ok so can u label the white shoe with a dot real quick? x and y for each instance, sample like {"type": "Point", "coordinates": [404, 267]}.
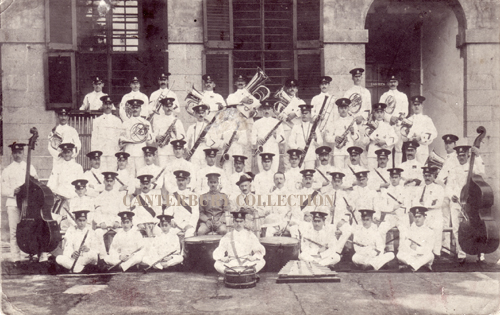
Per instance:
{"type": "Point", "coordinates": [498, 262]}
{"type": "Point", "coordinates": [481, 257]}
{"type": "Point", "coordinates": [43, 257]}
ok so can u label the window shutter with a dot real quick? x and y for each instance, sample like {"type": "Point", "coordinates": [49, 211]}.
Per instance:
{"type": "Point", "coordinates": [309, 21]}
{"type": "Point", "coordinates": [309, 71]}
{"type": "Point", "coordinates": [219, 64]}
{"type": "Point", "coordinates": [61, 87]}
{"type": "Point", "coordinates": [218, 23]}
{"type": "Point", "coordinates": [61, 21]}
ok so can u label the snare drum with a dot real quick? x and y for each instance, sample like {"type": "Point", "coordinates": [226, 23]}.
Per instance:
{"type": "Point", "coordinates": [240, 277]}
{"type": "Point", "coordinates": [199, 252]}
{"type": "Point", "coordinates": [279, 250]}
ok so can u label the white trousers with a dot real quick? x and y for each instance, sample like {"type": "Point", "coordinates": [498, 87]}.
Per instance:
{"type": "Point", "coordinates": [434, 221]}
{"type": "Point", "coordinates": [132, 261]}
{"type": "Point", "coordinates": [86, 258]}
{"type": "Point", "coordinates": [151, 259]}
{"type": "Point", "coordinates": [14, 216]}
{"type": "Point", "coordinates": [327, 261]}
{"type": "Point", "coordinates": [456, 216]}
{"type": "Point", "coordinates": [370, 258]}
{"type": "Point", "coordinates": [221, 267]}
{"type": "Point", "coordinates": [415, 260]}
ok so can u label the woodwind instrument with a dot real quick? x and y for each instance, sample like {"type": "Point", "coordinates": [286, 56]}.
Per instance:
{"type": "Point", "coordinates": [312, 132]}
{"type": "Point", "coordinates": [118, 264]}
{"type": "Point", "coordinates": [201, 136]}
{"type": "Point", "coordinates": [343, 138]}
{"type": "Point", "coordinates": [260, 148]}
{"type": "Point", "coordinates": [165, 139]}
{"type": "Point", "coordinates": [225, 155]}
{"type": "Point", "coordinates": [422, 196]}
{"type": "Point", "coordinates": [79, 251]}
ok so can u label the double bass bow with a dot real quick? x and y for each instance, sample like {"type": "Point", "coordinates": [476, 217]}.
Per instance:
{"type": "Point", "coordinates": [478, 233]}
{"type": "Point", "coordinates": [37, 232]}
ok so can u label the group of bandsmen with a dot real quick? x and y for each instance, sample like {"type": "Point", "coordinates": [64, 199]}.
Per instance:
{"type": "Point", "coordinates": [155, 182]}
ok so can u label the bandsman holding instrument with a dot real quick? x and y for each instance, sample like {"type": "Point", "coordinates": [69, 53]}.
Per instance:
{"type": "Point", "coordinates": [343, 132]}
{"type": "Point", "coordinates": [307, 202]}
{"type": "Point", "coordinates": [379, 178]}
{"type": "Point", "coordinates": [282, 215]}
{"type": "Point", "coordinates": [195, 142]}
{"type": "Point", "coordinates": [293, 176]}
{"type": "Point", "coordinates": [233, 139]}
{"type": "Point", "coordinates": [136, 134]}
{"type": "Point", "coordinates": [126, 249]}
{"type": "Point", "coordinates": [267, 135]}
{"type": "Point", "coordinates": [162, 93]}
{"type": "Point", "coordinates": [82, 245]}
{"type": "Point", "coordinates": [106, 130]}
{"type": "Point", "coordinates": [179, 163]}
{"type": "Point", "coordinates": [305, 136]}
{"type": "Point", "coordinates": [431, 195]}
{"type": "Point", "coordinates": [152, 169]}
{"type": "Point", "coordinates": [319, 243]}
{"type": "Point", "coordinates": [353, 166]}
{"type": "Point", "coordinates": [214, 208]}
{"type": "Point", "coordinates": [360, 97]}
{"type": "Point", "coordinates": [93, 100]}
{"type": "Point", "coordinates": [379, 134]}
{"type": "Point", "coordinates": [317, 101]}
{"type": "Point", "coordinates": [422, 129]}
{"type": "Point", "coordinates": [80, 201]}
{"type": "Point", "coordinates": [239, 247]}
{"type": "Point", "coordinates": [124, 177]}
{"type": "Point", "coordinates": [167, 128]}
{"type": "Point", "coordinates": [94, 175]}
{"type": "Point", "coordinates": [291, 109]}
{"type": "Point", "coordinates": [321, 177]}
{"type": "Point", "coordinates": [368, 244]}
{"type": "Point", "coordinates": [165, 249]}
{"type": "Point", "coordinates": [65, 171]}
{"type": "Point", "coordinates": [146, 206]}
{"type": "Point", "coordinates": [415, 248]}
{"type": "Point", "coordinates": [214, 101]}
{"type": "Point", "coordinates": [63, 133]}
{"type": "Point", "coordinates": [412, 174]}
{"type": "Point", "coordinates": [363, 196]}
{"type": "Point", "coordinates": [108, 204]}
{"type": "Point", "coordinates": [243, 97]}
{"type": "Point", "coordinates": [180, 205]}
{"type": "Point", "coordinates": [126, 104]}
{"type": "Point", "coordinates": [451, 160]}
{"type": "Point", "coordinates": [264, 179]}
{"type": "Point", "coordinates": [397, 108]}
{"type": "Point", "coordinates": [13, 177]}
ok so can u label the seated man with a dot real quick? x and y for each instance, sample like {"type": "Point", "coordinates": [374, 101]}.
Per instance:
{"type": "Point", "coordinates": [247, 200]}
{"type": "Point", "coordinates": [239, 247]}
{"type": "Point", "coordinates": [416, 248]}
{"type": "Point", "coordinates": [126, 248]}
{"type": "Point", "coordinates": [94, 175]}
{"type": "Point", "coordinates": [214, 207]}
{"type": "Point", "coordinates": [368, 243]}
{"type": "Point", "coordinates": [108, 204]}
{"type": "Point", "coordinates": [146, 205]}
{"type": "Point", "coordinates": [319, 243]}
{"type": "Point", "coordinates": [165, 249]}
{"type": "Point", "coordinates": [82, 245]}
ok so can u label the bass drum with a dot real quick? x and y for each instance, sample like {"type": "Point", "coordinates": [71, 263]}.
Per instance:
{"type": "Point", "coordinates": [199, 252]}
{"type": "Point", "coordinates": [279, 251]}
{"type": "Point", "coordinates": [240, 277]}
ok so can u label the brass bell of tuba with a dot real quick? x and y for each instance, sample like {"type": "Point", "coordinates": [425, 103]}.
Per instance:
{"type": "Point", "coordinates": [256, 86]}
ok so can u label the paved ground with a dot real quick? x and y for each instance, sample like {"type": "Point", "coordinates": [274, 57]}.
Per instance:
{"type": "Point", "coordinates": [192, 293]}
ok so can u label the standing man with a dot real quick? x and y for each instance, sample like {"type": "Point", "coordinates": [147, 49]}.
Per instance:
{"type": "Point", "coordinates": [214, 208]}
{"type": "Point", "coordinates": [94, 174]}
{"type": "Point", "coordinates": [108, 204]}
{"type": "Point", "coordinates": [321, 177]}
{"type": "Point", "coordinates": [242, 97]}
{"type": "Point", "coordinates": [239, 170]}
{"type": "Point", "coordinates": [422, 131]}
{"type": "Point", "coordinates": [152, 169]}
{"type": "Point", "coordinates": [213, 100]}
{"type": "Point", "coordinates": [125, 111]}
{"type": "Point", "coordinates": [353, 166]}
{"type": "Point", "coordinates": [64, 172]}
{"type": "Point", "coordinates": [178, 163]}
{"type": "Point", "coordinates": [292, 175]}
{"type": "Point", "coordinates": [264, 180]}
{"type": "Point", "coordinates": [412, 168]}
{"type": "Point", "coordinates": [123, 175]}
{"type": "Point", "coordinates": [167, 128]}
{"type": "Point", "coordinates": [194, 132]}
{"type": "Point", "coordinates": [451, 160]}
{"type": "Point", "coordinates": [379, 178]}
{"type": "Point", "coordinates": [317, 101]}
{"type": "Point", "coordinates": [146, 206]}
{"type": "Point", "coordinates": [233, 137]}
{"type": "Point", "coordinates": [13, 177]}
{"type": "Point", "coordinates": [93, 101]}
{"type": "Point", "coordinates": [164, 92]}
{"type": "Point", "coordinates": [360, 97]}
{"type": "Point", "coordinates": [397, 104]}
{"type": "Point", "coordinates": [63, 133]}
{"type": "Point", "coordinates": [106, 130]}
{"type": "Point", "coordinates": [383, 137]}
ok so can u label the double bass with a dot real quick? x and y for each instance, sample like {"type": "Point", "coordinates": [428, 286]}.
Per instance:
{"type": "Point", "coordinates": [478, 232]}
{"type": "Point", "coordinates": [37, 232]}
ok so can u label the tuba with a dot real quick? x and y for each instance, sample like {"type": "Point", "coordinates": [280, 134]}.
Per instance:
{"type": "Point", "coordinates": [256, 86]}
{"type": "Point", "coordinates": [435, 159]}
{"type": "Point", "coordinates": [193, 98]}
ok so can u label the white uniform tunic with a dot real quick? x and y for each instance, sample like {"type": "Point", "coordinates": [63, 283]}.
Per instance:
{"type": "Point", "coordinates": [432, 199]}
{"type": "Point", "coordinates": [95, 179]}
{"type": "Point", "coordinates": [423, 127]}
{"type": "Point", "coordinates": [401, 103]}
{"type": "Point", "coordinates": [383, 132]}
{"type": "Point", "coordinates": [92, 101]}
{"type": "Point", "coordinates": [147, 209]}
{"type": "Point", "coordinates": [260, 130]}
{"type": "Point", "coordinates": [145, 110]}
{"type": "Point", "coordinates": [163, 94]}
{"type": "Point", "coordinates": [180, 165]}
{"type": "Point", "coordinates": [417, 255]}
{"type": "Point", "coordinates": [182, 215]}
{"type": "Point", "coordinates": [371, 251]}
{"type": "Point", "coordinates": [106, 130]}
{"type": "Point", "coordinates": [263, 182]}
{"type": "Point", "coordinates": [108, 205]}
{"type": "Point", "coordinates": [63, 173]}
{"type": "Point", "coordinates": [366, 99]}
{"type": "Point", "coordinates": [162, 245]}
{"type": "Point", "coordinates": [310, 251]}
{"type": "Point", "coordinates": [411, 169]}
{"type": "Point", "coordinates": [238, 146]}
{"type": "Point", "coordinates": [192, 134]}
{"type": "Point", "coordinates": [211, 99]}
{"type": "Point", "coordinates": [68, 135]}
{"type": "Point", "coordinates": [160, 127]}
{"type": "Point", "coordinates": [293, 178]}
{"type": "Point", "coordinates": [337, 129]}
{"type": "Point", "coordinates": [126, 243]}
{"type": "Point", "coordinates": [298, 138]}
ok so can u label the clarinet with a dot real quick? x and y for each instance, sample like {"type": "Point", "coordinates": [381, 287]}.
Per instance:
{"type": "Point", "coordinates": [268, 136]}
{"type": "Point", "coordinates": [225, 156]}
{"type": "Point", "coordinates": [343, 137]}
{"type": "Point", "coordinates": [311, 134]}
{"type": "Point", "coordinates": [168, 135]}
{"type": "Point", "coordinates": [198, 141]}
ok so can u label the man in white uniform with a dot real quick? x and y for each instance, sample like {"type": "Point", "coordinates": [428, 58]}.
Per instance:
{"type": "Point", "coordinates": [300, 135]}
{"type": "Point", "coordinates": [360, 97]}
{"type": "Point", "coordinates": [162, 93]}
{"type": "Point", "coordinates": [161, 125]}
{"type": "Point", "coordinates": [94, 174]}
{"type": "Point", "coordinates": [135, 94]}
{"type": "Point", "coordinates": [63, 133]}
{"type": "Point", "coordinates": [106, 130]}
{"type": "Point", "coordinates": [93, 101]}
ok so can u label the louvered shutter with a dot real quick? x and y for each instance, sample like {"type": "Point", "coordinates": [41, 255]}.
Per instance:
{"type": "Point", "coordinates": [218, 64]}
{"type": "Point", "coordinates": [309, 71]}
{"type": "Point", "coordinates": [308, 25]}
{"type": "Point", "coordinates": [218, 24]}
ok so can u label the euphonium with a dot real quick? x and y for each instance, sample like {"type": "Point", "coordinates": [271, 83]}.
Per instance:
{"type": "Point", "coordinates": [435, 159]}
{"type": "Point", "coordinates": [284, 100]}
{"type": "Point", "coordinates": [193, 98]}
{"type": "Point", "coordinates": [406, 124]}
{"type": "Point", "coordinates": [256, 88]}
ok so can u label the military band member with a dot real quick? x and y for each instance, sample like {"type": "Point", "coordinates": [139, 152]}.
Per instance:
{"type": "Point", "coordinates": [415, 249]}
{"type": "Point", "coordinates": [108, 204]}
{"type": "Point", "coordinates": [423, 130]}
{"type": "Point", "coordinates": [13, 177]}
{"type": "Point", "coordinates": [353, 166]}
{"type": "Point", "coordinates": [161, 125]}
{"type": "Point", "coordinates": [242, 97]}
{"type": "Point", "coordinates": [293, 176]}
{"type": "Point", "coordinates": [239, 247]}
{"type": "Point", "coordinates": [135, 94]}
{"type": "Point", "coordinates": [210, 167]}
{"type": "Point", "coordinates": [213, 100]}
{"type": "Point", "coordinates": [82, 245]}
{"type": "Point", "coordinates": [357, 91]}
{"type": "Point", "coordinates": [451, 160]}
{"type": "Point", "coordinates": [319, 243]}
{"type": "Point", "coordinates": [247, 201]}
{"type": "Point", "coordinates": [368, 244]}
{"type": "Point", "coordinates": [383, 137]}
{"type": "Point", "coordinates": [214, 208]}
{"type": "Point", "coordinates": [152, 169]}
{"type": "Point", "coordinates": [162, 93]}
{"type": "Point", "coordinates": [292, 111]}
{"type": "Point", "coordinates": [64, 171]}
{"type": "Point", "coordinates": [263, 181]}
{"type": "Point", "coordinates": [321, 177]}
{"type": "Point", "coordinates": [193, 135]}
{"type": "Point", "coordinates": [63, 133]}
{"type": "Point", "coordinates": [261, 129]}
{"type": "Point", "coordinates": [317, 101]}
{"type": "Point", "coordinates": [379, 178]}
{"type": "Point", "coordinates": [164, 250]}
{"type": "Point", "coordinates": [335, 132]}
{"type": "Point", "coordinates": [127, 246]}
{"type": "Point", "coordinates": [363, 196]}
{"type": "Point", "coordinates": [124, 177]}
{"type": "Point", "coordinates": [412, 174]}
{"type": "Point", "coordinates": [238, 145]}
{"type": "Point", "coordinates": [106, 130]}
{"type": "Point", "coordinates": [136, 134]}
{"type": "Point", "coordinates": [431, 196]}
{"type": "Point", "coordinates": [308, 199]}
{"type": "Point", "coordinates": [239, 170]}
{"type": "Point", "coordinates": [282, 215]}
{"type": "Point", "coordinates": [456, 181]}
{"type": "Point", "coordinates": [179, 163]}
{"type": "Point", "coordinates": [300, 134]}
{"type": "Point", "coordinates": [185, 212]}
{"type": "Point", "coordinates": [93, 100]}
{"type": "Point", "coordinates": [146, 206]}
{"type": "Point", "coordinates": [397, 103]}
{"type": "Point", "coordinates": [94, 175]}
{"type": "Point", "coordinates": [80, 201]}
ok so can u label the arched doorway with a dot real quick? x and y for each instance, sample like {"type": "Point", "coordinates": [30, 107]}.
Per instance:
{"type": "Point", "coordinates": [417, 40]}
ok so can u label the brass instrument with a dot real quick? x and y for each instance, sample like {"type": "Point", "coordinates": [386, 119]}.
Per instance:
{"type": "Point", "coordinates": [157, 104]}
{"type": "Point", "coordinates": [193, 98]}
{"type": "Point", "coordinates": [55, 139]}
{"type": "Point", "coordinates": [138, 134]}
{"type": "Point", "coordinates": [343, 141]}
{"type": "Point", "coordinates": [225, 155]}
{"type": "Point", "coordinates": [165, 140]}
{"type": "Point", "coordinates": [260, 148]}
{"type": "Point", "coordinates": [406, 125]}
{"type": "Point", "coordinates": [285, 100]}
{"type": "Point", "coordinates": [256, 88]}
{"type": "Point", "coordinates": [356, 102]}
{"type": "Point", "coordinates": [435, 159]}
{"type": "Point", "coordinates": [391, 104]}
{"type": "Point", "coordinates": [327, 115]}
{"type": "Point", "coordinates": [370, 126]}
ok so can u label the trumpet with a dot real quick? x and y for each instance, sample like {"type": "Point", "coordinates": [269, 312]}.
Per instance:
{"type": "Point", "coordinates": [165, 139]}
{"type": "Point", "coordinates": [193, 98]}
{"type": "Point", "coordinates": [343, 138]}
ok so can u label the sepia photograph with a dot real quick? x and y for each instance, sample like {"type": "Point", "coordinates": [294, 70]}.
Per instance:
{"type": "Point", "coordinates": [250, 157]}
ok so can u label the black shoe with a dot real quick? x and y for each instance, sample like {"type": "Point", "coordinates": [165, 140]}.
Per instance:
{"type": "Point", "coordinates": [461, 261]}
{"type": "Point", "coordinates": [257, 278]}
